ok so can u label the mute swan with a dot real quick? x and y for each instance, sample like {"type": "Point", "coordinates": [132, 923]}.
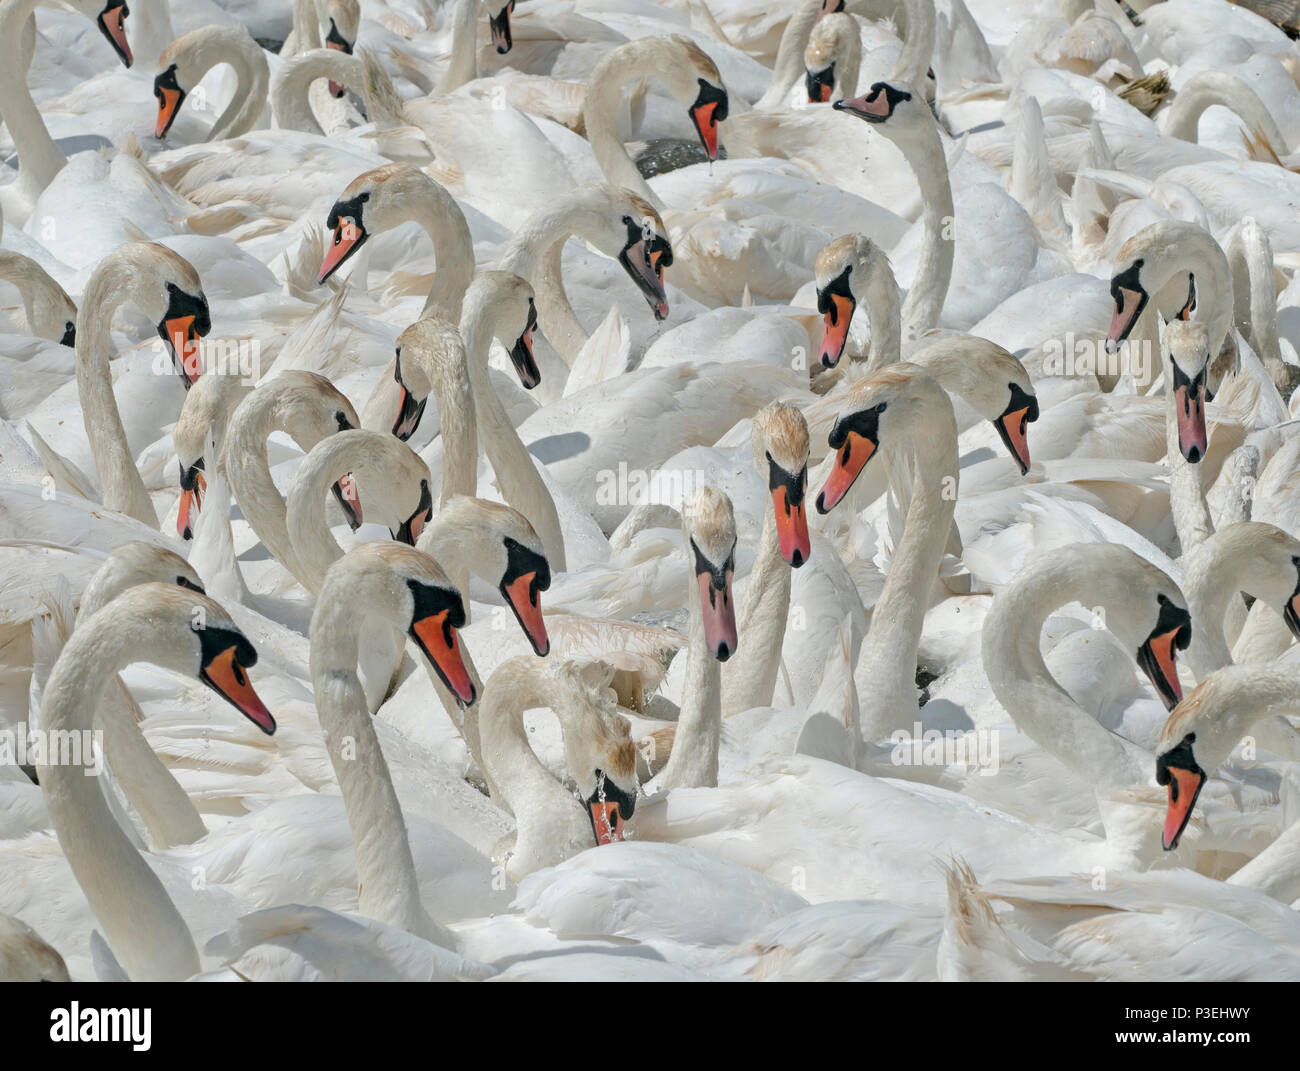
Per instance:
{"type": "Point", "coordinates": [309, 16]}
{"type": "Point", "coordinates": [187, 59]}
{"type": "Point", "coordinates": [496, 543]}
{"type": "Point", "coordinates": [779, 435]}
{"type": "Point", "coordinates": [906, 121]}
{"type": "Point", "coordinates": [50, 312]}
{"type": "Point", "coordinates": [406, 589]}
{"type": "Point", "coordinates": [185, 631]}
{"type": "Point", "coordinates": [709, 526]}
{"type": "Point", "coordinates": [1184, 269]}
{"type": "Point", "coordinates": [692, 79]}
{"type": "Point", "coordinates": [164, 286]}
{"type": "Point", "coordinates": [40, 158]}
{"type": "Point", "coordinates": [205, 417]}
{"type": "Point", "coordinates": [619, 224]}
{"type": "Point", "coordinates": [901, 412]}
{"type": "Point", "coordinates": [832, 59]}
{"type": "Point", "coordinates": [553, 824]}
{"type": "Point", "coordinates": [310, 409]}
{"type": "Point", "coordinates": [501, 304]}
{"type": "Point", "coordinates": [1204, 728]}
{"type": "Point", "coordinates": [168, 816]}
{"type": "Point", "coordinates": [291, 88]}
{"type": "Point", "coordinates": [392, 195]}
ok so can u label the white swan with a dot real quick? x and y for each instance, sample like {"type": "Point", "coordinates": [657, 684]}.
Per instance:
{"type": "Point", "coordinates": [40, 158]}
{"type": "Point", "coordinates": [187, 59]}
{"type": "Point", "coordinates": [182, 630]}
{"type": "Point", "coordinates": [164, 286]}
{"type": "Point", "coordinates": [709, 526]}
{"type": "Point", "coordinates": [50, 312]}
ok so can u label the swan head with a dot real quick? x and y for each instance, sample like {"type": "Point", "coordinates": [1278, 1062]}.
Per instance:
{"type": "Point", "coordinates": [204, 416]}
{"type": "Point", "coordinates": [709, 524]}
{"type": "Point", "coordinates": [628, 228]}
{"type": "Point", "coordinates": [990, 379]}
{"type": "Point", "coordinates": [110, 17]}
{"type": "Point", "coordinates": [897, 110]}
{"type": "Point", "coordinates": [187, 631]}
{"type": "Point", "coordinates": [844, 269]}
{"type": "Point", "coordinates": [598, 746]}
{"type": "Point", "coordinates": [1186, 346]}
{"type": "Point", "coordinates": [135, 563]}
{"type": "Point", "coordinates": [500, 545]}
{"type": "Point", "coordinates": [411, 590]}
{"type": "Point", "coordinates": [693, 78]}
{"type": "Point", "coordinates": [1259, 558]}
{"type": "Point", "coordinates": [1153, 263]}
{"type": "Point", "coordinates": [363, 466]}
{"type": "Point", "coordinates": [367, 205]}
{"type": "Point", "coordinates": [428, 343]}
{"type": "Point", "coordinates": [510, 308]}
{"type": "Point", "coordinates": [883, 411]}
{"type": "Point", "coordinates": [780, 439]}
{"type": "Point", "coordinates": [499, 26]}
{"type": "Point", "coordinates": [167, 289]}
{"type": "Point", "coordinates": [834, 45]}
{"type": "Point", "coordinates": [344, 18]}
{"type": "Point", "coordinates": [1202, 730]}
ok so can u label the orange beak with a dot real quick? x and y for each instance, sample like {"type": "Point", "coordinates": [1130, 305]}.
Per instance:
{"type": "Point", "coordinates": [835, 333]}
{"type": "Point", "coordinates": [347, 237]}
{"type": "Point", "coordinates": [336, 88]}
{"type": "Point", "coordinates": [791, 528]}
{"type": "Point", "coordinates": [169, 103]}
{"type": "Point", "coordinates": [228, 678]}
{"type": "Point", "coordinates": [849, 462]}
{"type": "Point", "coordinates": [1184, 788]}
{"type": "Point", "coordinates": [606, 821]}
{"type": "Point", "coordinates": [441, 645]}
{"type": "Point", "coordinates": [1158, 658]}
{"type": "Point", "coordinates": [1014, 427]}
{"type": "Point", "coordinates": [707, 125]}
{"type": "Point", "coordinates": [184, 340]}
{"type": "Point", "coordinates": [525, 601]}
{"type": "Point", "coordinates": [191, 503]}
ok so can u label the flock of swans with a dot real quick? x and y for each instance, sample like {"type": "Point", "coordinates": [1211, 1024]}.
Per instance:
{"type": "Point", "coordinates": [611, 489]}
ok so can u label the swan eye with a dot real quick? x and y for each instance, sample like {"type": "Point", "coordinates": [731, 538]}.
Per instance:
{"type": "Point", "coordinates": [881, 407]}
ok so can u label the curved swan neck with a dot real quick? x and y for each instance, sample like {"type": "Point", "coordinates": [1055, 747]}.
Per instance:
{"type": "Point", "coordinates": [749, 677]}
{"type": "Point", "coordinates": [464, 59]}
{"type": "Point", "coordinates": [1250, 261]}
{"type": "Point", "coordinates": [430, 205]}
{"type": "Point", "coordinates": [142, 925]}
{"type": "Point", "coordinates": [1040, 707]}
{"type": "Point", "coordinates": [693, 762]}
{"type": "Point", "coordinates": [388, 889]}
{"type": "Point", "coordinates": [886, 672]}
{"type": "Point", "coordinates": [1210, 88]}
{"type": "Point", "coordinates": [45, 303]}
{"type": "Point", "coordinates": [203, 49]}
{"type": "Point", "coordinates": [929, 288]}
{"type": "Point", "coordinates": [913, 64]}
{"type": "Point", "coordinates": [788, 68]}
{"type": "Point", "coordinates": [536, 254]}
{"type": "Point", "coordinates": [113, 283]}
{"type": "Point", "coordinates": [519, 779]}
{"type": "Point", "coordinates": [518, 480]}
{"type": "Point", "coordinates": [290, 97]}
{"type": "Point", "coordinates": [628, 63]}
{"type": "Point", "coordinates": [40, 159]}
{"type": "Point", "coordinates": [884, 311]}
